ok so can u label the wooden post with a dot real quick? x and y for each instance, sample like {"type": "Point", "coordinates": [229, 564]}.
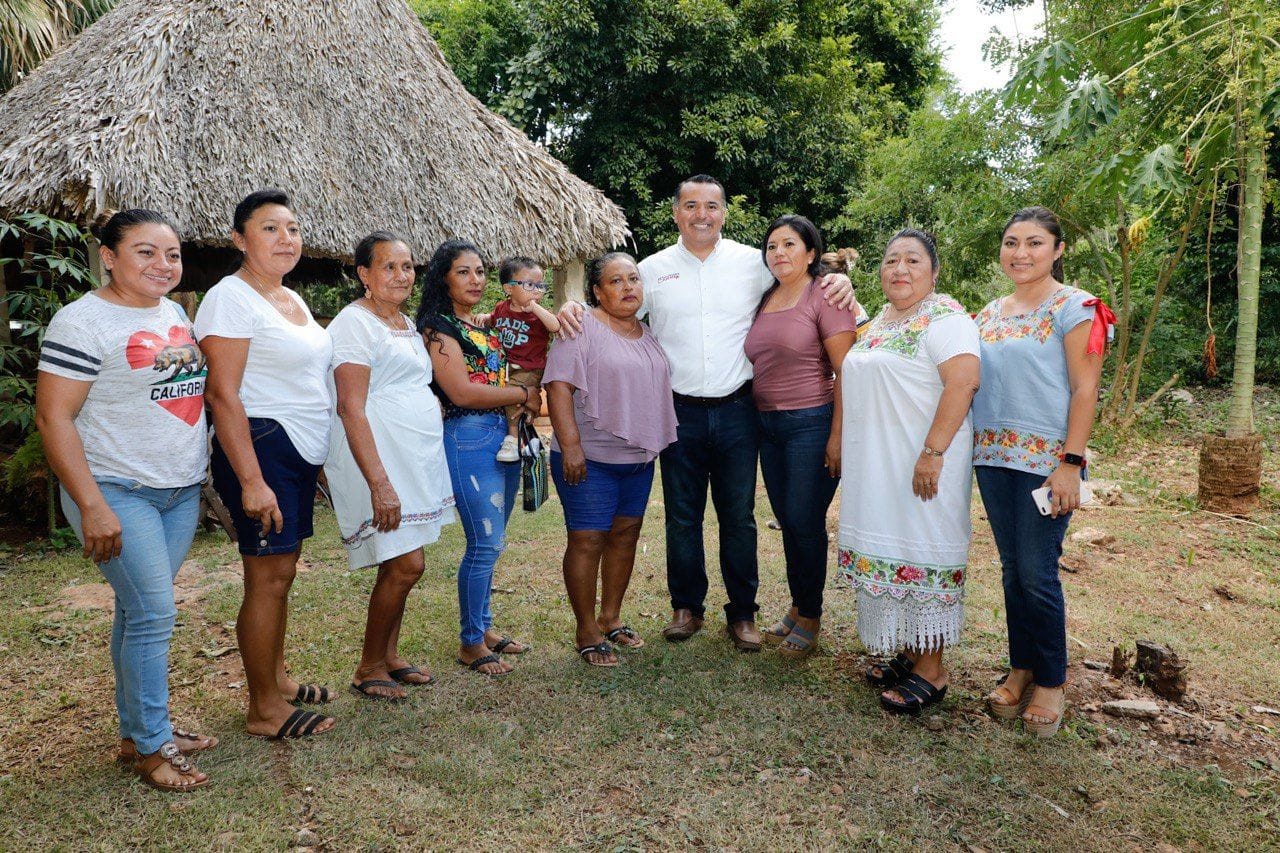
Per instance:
{"type": "Point", "coordinates": [91, 245]}
{"type": "Point", "coordinates": [569, 282]}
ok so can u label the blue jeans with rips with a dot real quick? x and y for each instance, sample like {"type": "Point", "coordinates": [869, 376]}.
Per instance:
{"type": "Point", "coordinates": [1030, 545]}
{"type": "Point", "coordinates": [485, 492]}
{"type": "Point", "coordinates": [157, 526]}
{"type": "Point", "coordinates": [716, 446]}
{"type": "Point", "coordinates": [793, 446]}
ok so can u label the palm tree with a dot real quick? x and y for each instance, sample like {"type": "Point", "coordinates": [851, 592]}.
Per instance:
{"type": "Point", "coordinates": [30, 30]}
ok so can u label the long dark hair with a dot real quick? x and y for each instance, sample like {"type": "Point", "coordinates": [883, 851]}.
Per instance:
{"type": "Point", "coordinates": [435, 290]}
{"type": "Point", "coordinates": [1046, 219]}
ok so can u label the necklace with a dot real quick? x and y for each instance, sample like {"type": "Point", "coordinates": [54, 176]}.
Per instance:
{"type": "Point", "coordinates": [283, 303]}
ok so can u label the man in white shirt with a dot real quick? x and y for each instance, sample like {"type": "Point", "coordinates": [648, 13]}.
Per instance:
{"type": "Point", "coordinates": [700, 298]}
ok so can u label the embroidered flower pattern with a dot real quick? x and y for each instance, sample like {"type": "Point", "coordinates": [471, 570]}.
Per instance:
{"type": "Point", "coordinates": [486, 367]}
{"type": "Point", "coordinates": [365, 530]}
{"type": "Point", "coordinates": [1002, 447]}
{"type": "Point", "coordinates": [1037, 324]}
{"type": "Point", "coordinates": [879, 576]}
{"type": "Point", "coordinates": [903, 336]}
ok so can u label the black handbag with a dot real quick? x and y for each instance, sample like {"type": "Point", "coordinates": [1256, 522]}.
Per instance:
{"type": "Point", "coordinates": [535, 470]}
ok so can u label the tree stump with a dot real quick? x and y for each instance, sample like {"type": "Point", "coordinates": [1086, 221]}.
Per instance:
{"type": "Point", "coordinates": [1230, 473]}
{"type": "Point", "coordinates": [1164, 672]}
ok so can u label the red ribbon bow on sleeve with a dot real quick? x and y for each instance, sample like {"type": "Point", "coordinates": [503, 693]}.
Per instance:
{"type": "Point", "coordinates": [1100, 332]}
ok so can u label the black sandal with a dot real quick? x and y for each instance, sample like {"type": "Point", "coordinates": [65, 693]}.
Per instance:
{"type": "Point", "coordinates": [300, 724]}
{"type": "Point", "coordinates": [891, 672]}
{"type": "Point", "coordinates": [314, 694]}
{"type": "Point", "coordinates": [601, 648]}
{"type": "Point", "coordinates": [401, 673]}
{"type": "Point", "coordinates": [475, 665]}
{"type": "Point", "coordinates": [362, 689]}
{"type": "Point", "coordinates": [500, 646]}
{"type": "Point", "coordinates": [917, 694]}
{"type": "Point", "coordinates": [628, 632]}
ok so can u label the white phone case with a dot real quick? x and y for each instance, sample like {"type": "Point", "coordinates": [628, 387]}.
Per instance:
{"type": "Point", "coordinates": [1042, 497]}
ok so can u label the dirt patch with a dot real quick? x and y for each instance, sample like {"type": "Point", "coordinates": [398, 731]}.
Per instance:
{"type": "Point", "coordinates": [191, 585]}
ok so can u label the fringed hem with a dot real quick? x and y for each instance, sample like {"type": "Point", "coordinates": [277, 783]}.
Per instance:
{"type": "Point", "coordinates": [887, 625]}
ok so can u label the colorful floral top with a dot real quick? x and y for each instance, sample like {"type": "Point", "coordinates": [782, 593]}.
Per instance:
{"type": "Point", "coordinates": [1020, 412]}
{"type": "Point", "coordinates": [482, 353]}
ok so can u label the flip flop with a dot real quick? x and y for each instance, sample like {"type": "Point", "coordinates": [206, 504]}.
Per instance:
{"type": "Point", "coordinates": [500, 646]}
{"type": "Point", "coordinates": [362, 689]}
{"type": "Point", "coordinates": [146, 766]}
{"type": "Point", "coordinates": [314, 694]}
{"type": "Point", "coordinates": [128, 753]}
{"type": "Point", "coordinates": [399, 675]}
{"type": "Point", "coordinates": [628, 632]}
{"type": "Point", "coordinates": [600, 648]}
{"type": "Point", "coordinates": [475, 665]}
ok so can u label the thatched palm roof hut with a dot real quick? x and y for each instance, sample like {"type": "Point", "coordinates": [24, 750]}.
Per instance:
{"type": "Point", "coordinates": [186, 105]}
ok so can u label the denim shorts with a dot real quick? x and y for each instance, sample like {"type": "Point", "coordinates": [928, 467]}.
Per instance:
{"type": "Point", "coordinates": [608, 490]}
{"type": "Point", "coordinates": [292, 478]}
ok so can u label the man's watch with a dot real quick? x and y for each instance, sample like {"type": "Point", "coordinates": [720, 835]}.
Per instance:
{"type": "Point", "coordinates": [1073, 459]}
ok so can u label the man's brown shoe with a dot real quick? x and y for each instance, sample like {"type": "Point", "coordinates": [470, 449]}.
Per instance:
{"type": "Point", "coordinates": [744, 635]}
{"type": "Point", "coordinates": [682, 626]}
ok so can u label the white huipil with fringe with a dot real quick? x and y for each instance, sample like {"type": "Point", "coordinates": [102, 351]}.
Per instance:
{"type": "Point", "coordinates": [906, 558]}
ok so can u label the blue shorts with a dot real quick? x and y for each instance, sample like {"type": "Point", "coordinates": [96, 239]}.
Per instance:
{"type": "Point", "coordinates": [609, 490]}
{"type": "Point", "coordinates": [291, 477]}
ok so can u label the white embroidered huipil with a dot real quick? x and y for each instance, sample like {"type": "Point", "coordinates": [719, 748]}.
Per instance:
{"type": "Point", "coordinates": [905, 557]}
{"type": "Point", "coordinates": [701, 311]}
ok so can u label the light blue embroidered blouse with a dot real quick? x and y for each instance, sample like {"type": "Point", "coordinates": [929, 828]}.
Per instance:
{"type": "Point", "coordinates": [1020, 412]}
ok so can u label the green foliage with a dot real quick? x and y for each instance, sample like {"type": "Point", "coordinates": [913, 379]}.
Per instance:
{"type": "Point", "coordinates": [30, 30]}
{"type": "Point", "coordinates": [780, 101]}
{"type": "Point", "coordinates": [49, 255]}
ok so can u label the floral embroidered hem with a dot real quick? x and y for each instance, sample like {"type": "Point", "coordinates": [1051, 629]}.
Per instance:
{"type": "Point", "coordinates": [905, 604]}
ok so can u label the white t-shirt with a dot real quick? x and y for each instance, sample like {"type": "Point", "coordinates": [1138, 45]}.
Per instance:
{"type": "Point", "coordinates": [144, 417]}
{"type": "Point", "coordinates": [701, 311]}
{"type": "Point", "coordinates": [285, 373]}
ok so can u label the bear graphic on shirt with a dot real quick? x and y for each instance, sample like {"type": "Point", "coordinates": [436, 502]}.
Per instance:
{"type": "Point", "coordinates": [180, 388]}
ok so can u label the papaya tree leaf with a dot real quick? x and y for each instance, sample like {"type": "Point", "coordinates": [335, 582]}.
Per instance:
{"type": "Point", "coordinates": [1160, 171]}
{"type": "Point", "coordinates": [1271, 105]}
{"type": "Point", "coordinates": [1043, 71]}
{"type": "Point", "coordinates": [1083, 111]}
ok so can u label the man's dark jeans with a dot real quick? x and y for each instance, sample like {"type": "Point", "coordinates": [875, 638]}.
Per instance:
{"type": "Point", "coordinates": [716, 446]}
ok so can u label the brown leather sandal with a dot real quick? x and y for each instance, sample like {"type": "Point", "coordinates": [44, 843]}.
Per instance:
{"type": "Point", "coordinates": [128, 752]}
{"type": "Point", "coordinates": [146, 766]}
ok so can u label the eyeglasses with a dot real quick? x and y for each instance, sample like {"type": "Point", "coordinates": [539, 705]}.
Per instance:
{"type": "Point", "coordinates": [536, 286]}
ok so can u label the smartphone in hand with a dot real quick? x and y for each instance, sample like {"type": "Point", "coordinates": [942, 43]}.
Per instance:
{"type": "Point", "coordinates": [1044, 498]}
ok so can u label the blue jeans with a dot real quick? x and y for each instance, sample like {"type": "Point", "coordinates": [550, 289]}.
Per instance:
{"type": "Point", "coordinates": [793, 445]}
{"type": "Point", "coordinates": [485, 492]}
{"type": "Point", "coordinates": [716, 446]}
{"type": "Point", "coordinates": [157, 526]}
{"type": "Point", "coordinates": [609, 490]}
{"type": "Point", "coordinates": [1030, 545]}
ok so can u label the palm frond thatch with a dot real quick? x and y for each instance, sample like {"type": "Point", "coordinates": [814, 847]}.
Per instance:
{"type": "Point", "coordinates": [186, 105]}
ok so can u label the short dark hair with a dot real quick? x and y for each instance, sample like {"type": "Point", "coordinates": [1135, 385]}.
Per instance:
{"type": "Point", "coordinates": [124, 221]}
{"type": "Point", "coordinates": [595, 272]}
{"type": "Point", "coordinates": [508, 267]}
{"type": "Point", "coordinates": [255, 200]}
{"type": "Point", "coordinates": [809, 235]}
{"type": "Point", "coordinates": [364, 249]}
{"type": "Point", "coordinates": [924, 238]}
{"type": "Point", "coordinates": [1046, 219]}
{"type": "Point", "coordinates": [697, 179]}
{"type": "Point", "coordinates": [435, 290]}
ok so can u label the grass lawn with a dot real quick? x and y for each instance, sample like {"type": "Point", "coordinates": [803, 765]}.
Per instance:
{"type": "Point", "coordinates": [683, 746]}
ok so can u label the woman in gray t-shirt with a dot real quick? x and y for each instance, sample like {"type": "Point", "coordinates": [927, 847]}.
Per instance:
{"type": "Point", "coordinates": [117, 364]}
